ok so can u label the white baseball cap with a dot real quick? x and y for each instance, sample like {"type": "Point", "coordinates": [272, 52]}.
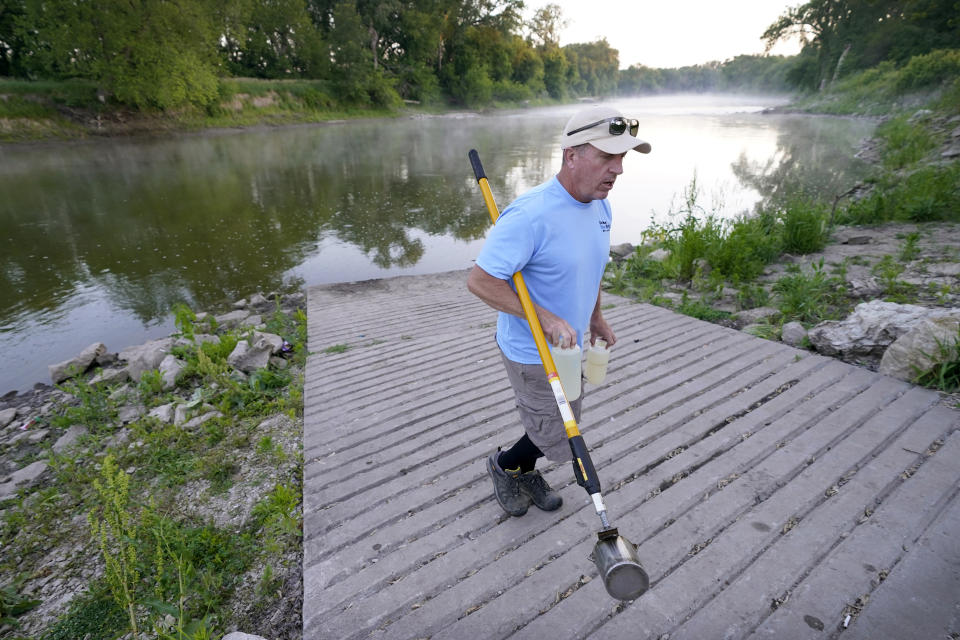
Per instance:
{"type": "Point", "coordinates": [605, 128]}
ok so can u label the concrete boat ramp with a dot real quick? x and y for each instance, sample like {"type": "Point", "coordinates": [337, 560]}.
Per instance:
{"type": "Point", "coordinates": [773, 493]}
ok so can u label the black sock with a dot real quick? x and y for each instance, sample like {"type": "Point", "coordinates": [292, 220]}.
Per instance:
{"type": "Point", "coordinates": [523, 454]}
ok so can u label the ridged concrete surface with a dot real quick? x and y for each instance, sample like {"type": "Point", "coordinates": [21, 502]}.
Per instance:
{"type": "Point", "coordinates": [772, 492]}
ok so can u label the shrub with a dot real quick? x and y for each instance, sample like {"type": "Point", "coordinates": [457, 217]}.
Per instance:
{"type": "Point", "coordinates": [751, 243]}
{"type": "Point", "coordinates": [929, 69]}
{"type": "Point", "coordinates": [807, 297]}
{"type": "Point", "coordinates": [945, 374]}
{"type": "Point", "coordinates": [906, 142]}
{"type": "Point", "coordinates": [927, 194]}
{"type": "Point", "coordinates": [689, 242]}
{"type": "Point", "coordinates": [804, 226]}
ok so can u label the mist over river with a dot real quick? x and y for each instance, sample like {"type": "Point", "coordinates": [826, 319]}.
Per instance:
{"type": "Point", "coordinates": [98, 240]}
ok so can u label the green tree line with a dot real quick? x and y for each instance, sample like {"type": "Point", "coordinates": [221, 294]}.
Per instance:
{"type": "Point", "coordinates": [841, 37]}
{"type": "Point", "coordinates": [164, 54]}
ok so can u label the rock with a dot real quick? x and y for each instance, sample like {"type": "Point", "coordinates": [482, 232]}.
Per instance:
{"type": "Point", "coordinates": [948, 269]}
{"type": "Point", "coordinates": [951, 152]}
{"type": "Point", "coordinates": [867, 287]}
{"type": "Point", "coordinates": [198, 339]}
{"type": "Point", "coordinates": [231, 320]}
{"type": "Point", "coordinates": [146, 357]}
{"type": "Point", "coordinates": [163, 413]}
{"type": "Point", "coordinates": [258, 300]}
{"type": "Point", "coordinates": [793, 334]}
{"type": "Point", "coordinates": [658, 255]}
{"type": "Point", "coordinates": [932, 341]}
{"type": "Point", "coordinates": [920, 115]}
{"type": "Point", "coordinates": [252, 321]}
{"type": "Point", "coordinates": [170, 368]}
{"type": "Point", "coordinates": [239, 635]}
{"type": "Point", "coordinates": [106, 359]}
{"type": "Point", "coordinates": [248, 357]}
{"type": "Point", "coordinates": [240, 304]}
{"type": "Point", "coordinates": [31, 436]}
{"type": "Point", "coordinates": [70, 438]}
{"type": "Point", "coordinates": [870, 329]}
{"type": "Point", "coordinates": [702, 266]}
{"type": "Point", "coordinates": [295, 300]}
{"type": "Point", "coordinates": [111, 376]}
{"type": "Point", "coordinates": [121, 394]}
{"type": "Point", "coordinates": [275, 341]}
{"type": "Point", "coordinates": [7, 416]}
{"type": "Point", "coordinates": [193, 423]}
{"type": "Point", "coordinates": [185, 411]}
{"type": "Point", "coordinates": [76, 365]}
{"type": "Point", "coordinates": [278, 363]}
{"type": "Point", "coordinates": [756, 315]}
{"type": "Point", "coordinates": [622, 250]}
{"type": "Point", "coordinates": [27, 475]}
{"type": "Point", "coordinates": [129, 413]}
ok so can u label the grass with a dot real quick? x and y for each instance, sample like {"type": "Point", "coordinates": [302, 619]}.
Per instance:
{"type": "Point", "coordinates": [809, 297]}
{"type": "Point", "coordinates": [944, 375]}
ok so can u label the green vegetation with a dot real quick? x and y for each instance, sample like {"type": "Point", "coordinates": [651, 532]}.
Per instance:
{"type": "Point", "coordinates": [66, 68]}
{"type": "Point", "coordinates": [945, 374]}
{"type": "Point", "coordinates": [146, 490]}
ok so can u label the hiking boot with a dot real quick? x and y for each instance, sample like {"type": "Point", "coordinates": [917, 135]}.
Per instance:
{"type": "Point", "coordinates": [533, 485]}
{"type": "Point", "coordinates": [506, 486]}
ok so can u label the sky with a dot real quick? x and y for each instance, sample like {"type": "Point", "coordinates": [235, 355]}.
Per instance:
{"type": "Point", "coordinates": [672, 33]}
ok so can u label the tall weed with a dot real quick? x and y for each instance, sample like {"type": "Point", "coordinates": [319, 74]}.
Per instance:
{"type": "Point", "coordinates": [804, 225]}
{"type": "Point", "coordinates": [808, 298]}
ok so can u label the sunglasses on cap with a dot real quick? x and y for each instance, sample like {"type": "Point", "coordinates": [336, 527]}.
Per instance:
{"type": "Point", "coordinates": [618, 126]}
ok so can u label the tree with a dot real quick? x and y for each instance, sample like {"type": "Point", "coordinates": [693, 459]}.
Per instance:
{"type": "Point", "coordinates": [10, 41]}
{"type": "Point", "coordinates": [152, 53]}
{"type": "Point", "coordinates": [546, 24]}
{"type": "Point", "coordinates": [597, 66]}
{"type": "Point", "coordinates": [353, 75]}
{"type": "Point", "coordinates": [275, 39]}
{"type": "Point", "coordinates": [818, 24]}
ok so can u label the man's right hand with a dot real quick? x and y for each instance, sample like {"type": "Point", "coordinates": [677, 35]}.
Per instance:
{"type": "Point", "coordinates": [500, 295]}
{"type": "Point", "coordinates": [556, 330]}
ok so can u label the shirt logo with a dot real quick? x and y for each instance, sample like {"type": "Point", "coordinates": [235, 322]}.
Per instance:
{"type": "Point", "coordinates": [604, 226]}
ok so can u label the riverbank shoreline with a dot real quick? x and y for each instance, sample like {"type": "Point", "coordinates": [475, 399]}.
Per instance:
{"type": "Point", "coordinates": [232, 427]}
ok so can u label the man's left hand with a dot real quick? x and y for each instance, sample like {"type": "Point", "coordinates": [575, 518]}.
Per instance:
{"type": "Point", "coordinates": [600, 329]}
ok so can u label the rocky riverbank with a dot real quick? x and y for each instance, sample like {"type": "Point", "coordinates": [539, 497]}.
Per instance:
{"type": "Point", "coordinates": [903, 281]}
{"type": "Point", "coordinates": [207, 428]}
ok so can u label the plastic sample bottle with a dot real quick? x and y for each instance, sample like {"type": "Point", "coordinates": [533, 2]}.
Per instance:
{"type": "Point", "coordinates": [597, 358]}
{"type": "Point", "coordinates": [568, 367]}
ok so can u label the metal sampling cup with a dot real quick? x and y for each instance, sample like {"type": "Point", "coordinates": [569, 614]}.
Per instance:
{"type": "Point", "coordinates": [619, 565]}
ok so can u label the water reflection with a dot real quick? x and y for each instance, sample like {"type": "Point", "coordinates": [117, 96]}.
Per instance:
{"type": "Point", "coordinates": [814, 157]}
{"type": "Point", "coordinates": [100, 240]}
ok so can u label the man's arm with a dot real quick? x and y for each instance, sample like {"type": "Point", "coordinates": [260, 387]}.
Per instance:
{"type": "Point", "coordinates": [500, 295]}
{"type": "Point", "coordinates": [599, 327]}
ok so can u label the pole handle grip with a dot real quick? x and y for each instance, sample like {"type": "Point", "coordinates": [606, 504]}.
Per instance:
{"type": "Point", "coordinates": [583, 469]}
{"type": "Point", "coordinates": [475, 163]}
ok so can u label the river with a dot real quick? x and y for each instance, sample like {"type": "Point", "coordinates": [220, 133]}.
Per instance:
{"type": "Point", "coordinates": [100, 239]}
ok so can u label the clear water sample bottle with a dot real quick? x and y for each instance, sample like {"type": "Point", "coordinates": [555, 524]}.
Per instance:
{"type": "Point", "coordinates": [598, 356]}
{"type": "Point", "coordinates": [568, 367]}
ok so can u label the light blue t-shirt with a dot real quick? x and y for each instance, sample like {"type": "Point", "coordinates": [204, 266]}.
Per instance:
{"type": "Point", "coordinates": [561, 246]}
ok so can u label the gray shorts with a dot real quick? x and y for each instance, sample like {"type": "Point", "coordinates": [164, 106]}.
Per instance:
{"type": "Point", "coordinates": [539, 414]}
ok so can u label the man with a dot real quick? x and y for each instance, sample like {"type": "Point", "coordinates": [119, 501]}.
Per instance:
{"type": "Point", "coordinates": [558, 236]}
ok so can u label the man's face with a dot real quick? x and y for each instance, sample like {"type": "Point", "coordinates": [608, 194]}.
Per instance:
{"type": "Point", "coordinates": [593, 172]}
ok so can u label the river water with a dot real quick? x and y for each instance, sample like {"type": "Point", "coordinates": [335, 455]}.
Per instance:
{"type": "Point", "coordinates": [98, 240]}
